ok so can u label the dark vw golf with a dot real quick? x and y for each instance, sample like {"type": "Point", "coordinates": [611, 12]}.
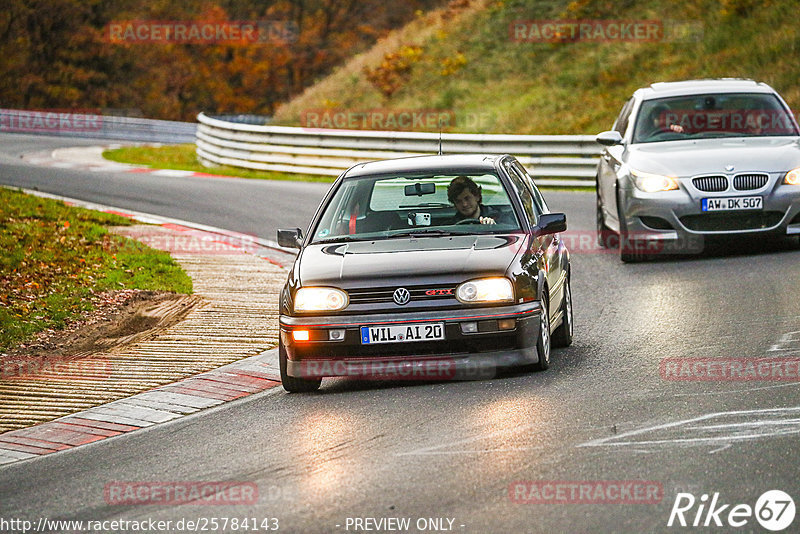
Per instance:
{"type": "Point", "coordinates": [433, 267]}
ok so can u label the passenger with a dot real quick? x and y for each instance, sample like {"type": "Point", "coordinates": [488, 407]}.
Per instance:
{"type": "Point", "coordinates": [466, 197]}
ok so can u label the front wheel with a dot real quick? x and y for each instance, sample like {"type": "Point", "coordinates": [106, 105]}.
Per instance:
{"type": "Point", "coordinates": [291, 383]}
{"type": "Point", "coordinates": [543, 343]}
{"type": "Point", "coordinates": [604, 233]}
{"type": "Point", "coordinates": [562, 337]}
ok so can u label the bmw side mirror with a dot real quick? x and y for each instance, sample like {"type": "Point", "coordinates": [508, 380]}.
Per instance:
{"type": "Point", "coordinates": [551, 223]}
{"type": "Point", "coordinates": [290, 238]}
{"type": "Point", "coordinates": [609, 138]}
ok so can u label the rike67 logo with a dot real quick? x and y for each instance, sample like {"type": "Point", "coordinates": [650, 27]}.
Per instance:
{"type": "Point", "coordinates": [774, 510]}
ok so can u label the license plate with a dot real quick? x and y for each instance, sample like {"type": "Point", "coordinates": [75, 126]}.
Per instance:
{"type": "Point", "coordinates": [732, 203]}
{"type": "Point", "coordinates": [402, 333]}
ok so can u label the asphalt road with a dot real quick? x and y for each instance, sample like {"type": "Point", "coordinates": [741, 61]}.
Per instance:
{"type": "Point", "coordinates": [603, 412]}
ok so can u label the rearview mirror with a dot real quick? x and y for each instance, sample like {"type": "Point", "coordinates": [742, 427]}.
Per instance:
{"type": "Point", "coordinates": [290, 238]}
{"type": "Point", "coordinates": [609, 138]}
{"type": "Point", "coordinates": [418, 189]}
{"type": "Point", "coordinates": [551, 223]}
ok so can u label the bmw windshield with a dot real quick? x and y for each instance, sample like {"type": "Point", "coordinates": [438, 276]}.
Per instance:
{"type": "Point", "coordinates": [396, 206]}
{"type": "Point", "coordinates": [712, 116]}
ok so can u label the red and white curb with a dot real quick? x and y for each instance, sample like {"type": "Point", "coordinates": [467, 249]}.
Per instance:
{"type": "Point", "coordinates": [164, 403]}
{"type": "Point", "coordinates": [159, 405]}
{"type": "Point", "coordinates": [90, 158]}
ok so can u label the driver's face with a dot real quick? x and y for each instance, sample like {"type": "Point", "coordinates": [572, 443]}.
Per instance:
{"type": "Point", "coordinates": [467, 204]}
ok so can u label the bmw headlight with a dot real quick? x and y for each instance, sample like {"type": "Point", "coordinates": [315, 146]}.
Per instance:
{"type": "Point", "coordinates": [653, 183]}
{"type": "Point", "coordinates": [792, 177]}
{"type": "Point", "coordinates": [485, 290]}
{"type": "Point", "coordinates": [317, 299]}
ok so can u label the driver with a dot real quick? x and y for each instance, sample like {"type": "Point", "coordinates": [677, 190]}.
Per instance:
{"type": "Point", "coordinates": [466, 197]}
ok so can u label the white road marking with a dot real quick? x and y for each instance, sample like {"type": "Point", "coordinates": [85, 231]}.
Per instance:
{"type": "Point", "coordinates": [763, 423]}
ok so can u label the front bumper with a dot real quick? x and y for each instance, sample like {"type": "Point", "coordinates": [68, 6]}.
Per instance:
{"type": "Point", "coordinates": [459, 356]}
{"type": "Point", "coordinates": [676, 220]}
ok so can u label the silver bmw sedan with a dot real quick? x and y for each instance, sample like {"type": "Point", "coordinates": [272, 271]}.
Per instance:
{"type": "Point", "coordinates": [690, 160]}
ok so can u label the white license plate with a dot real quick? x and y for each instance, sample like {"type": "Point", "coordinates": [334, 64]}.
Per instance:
{"type": "Point", "coordinates": [732, 203]}
{"type": "Point", "coordinates": [402, 333]}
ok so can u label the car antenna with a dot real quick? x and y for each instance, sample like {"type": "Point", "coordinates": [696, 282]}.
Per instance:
{"type": "Point", "coordinates": [440, 137]}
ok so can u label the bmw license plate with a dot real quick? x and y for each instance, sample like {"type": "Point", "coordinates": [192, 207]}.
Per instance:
{"type": "Point", "coordinates": [732, 203]}
{"type": "Point", "coordinates": [402, 333]}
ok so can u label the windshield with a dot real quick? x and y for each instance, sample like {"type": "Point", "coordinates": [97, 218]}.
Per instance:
{"type": "Point", "coordinates": [401, 205]}
{"type": "Point", "coordinates": [712, 116]}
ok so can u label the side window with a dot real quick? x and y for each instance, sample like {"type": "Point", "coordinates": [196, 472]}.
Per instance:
{"type": "Point", "coordinates": [537, 196]}
{"type": "Point", "coordinates": [621, 123]}
{"type": "Point", "coordinates": [523, 193]}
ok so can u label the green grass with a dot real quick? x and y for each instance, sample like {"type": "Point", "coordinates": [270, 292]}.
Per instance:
{"type": "Point", "coordinates": [568, 88]}
{"type": "Point", "coordinates": [56, 257]}
{"type": "Point", "coordinates": [182, 157]}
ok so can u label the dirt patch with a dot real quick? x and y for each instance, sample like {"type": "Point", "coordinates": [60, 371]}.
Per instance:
{"type": "Point", "coordinates": [120, 318]}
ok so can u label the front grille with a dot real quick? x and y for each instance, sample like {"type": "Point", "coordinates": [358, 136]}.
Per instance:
{"type": "Point", "coordinates": [747, 182]}
{"type": "Point", "coordinates": [711, 183]}
{"type": "Point", "coordinates": [731, 222]}
{"type": "Point", "coordinates": [383, 295]}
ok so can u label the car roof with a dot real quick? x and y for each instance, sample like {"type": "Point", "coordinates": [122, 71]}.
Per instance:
{"type": "Point", "coordinates": [697, 87]}
{"type": "Point", "coordinates": [424, 164]}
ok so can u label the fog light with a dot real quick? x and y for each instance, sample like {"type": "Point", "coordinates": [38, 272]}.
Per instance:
{"type": "Point", "coordinates": [506, 324]}
{"type": "Point", "coordinates": [336, 335]}
{"type": "Point", "coordinates": [469, 328]}
{"type": "Point", "coordinates": [300, 335]}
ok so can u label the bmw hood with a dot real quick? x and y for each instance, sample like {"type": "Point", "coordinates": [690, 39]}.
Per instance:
{"type": "Point", "coordinates": [391, 261]}
{"type": "Point", "coordinates": [703, 156]}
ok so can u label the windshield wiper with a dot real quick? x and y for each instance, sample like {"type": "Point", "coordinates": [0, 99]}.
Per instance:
{"type": "Point", "coordinates": [424, 233]}
{"type": "Point", "coordinates": [342, 239]}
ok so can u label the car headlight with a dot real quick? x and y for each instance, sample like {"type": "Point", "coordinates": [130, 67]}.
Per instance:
{"type": "Point", "coordinates": [485, 290]}
{"type": "Point", "coordinates": [652, 183]}
{"type": "Point", "coordinates": [792, 177]}
{"type": "Point", "coordinates": [315, 299]}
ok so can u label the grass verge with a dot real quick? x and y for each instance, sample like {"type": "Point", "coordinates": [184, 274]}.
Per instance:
{"type": "Point", "coordinates": [56, 257]}
{"type": "Point", "coordinates": [182, 157]}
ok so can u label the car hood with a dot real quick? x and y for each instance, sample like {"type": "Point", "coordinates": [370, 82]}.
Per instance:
{"type": "Point", "coordinates": [702, 156]}
{"type": "Point", "coordinates": [425, 259]}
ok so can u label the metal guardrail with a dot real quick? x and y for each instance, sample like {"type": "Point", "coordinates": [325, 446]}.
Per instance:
{"type": "Point", "coordinates": [92, 125]}
{"type": "Point", "coordinates": [557, 160]}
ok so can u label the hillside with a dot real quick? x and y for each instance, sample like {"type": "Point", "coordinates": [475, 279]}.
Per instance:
{"type": "Point", "coordinates": [464, 60]}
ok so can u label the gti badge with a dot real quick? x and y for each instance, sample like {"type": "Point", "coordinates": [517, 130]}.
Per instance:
{"type": "Point", "coordinates": [401, 296]}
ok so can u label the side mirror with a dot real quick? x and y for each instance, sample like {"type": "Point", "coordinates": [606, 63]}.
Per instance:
{"type": "Point", "coordinates": [609, 138]}
{"type": "Point", "coordinates": [551, 223]}
{"type": "Point", "coordinates": [290, 238]}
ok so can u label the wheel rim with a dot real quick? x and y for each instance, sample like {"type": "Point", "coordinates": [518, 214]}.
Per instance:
{"type": "Point", "coordinates": [569, 309]}
{"type": "Point", "coordinates": [545, 335]}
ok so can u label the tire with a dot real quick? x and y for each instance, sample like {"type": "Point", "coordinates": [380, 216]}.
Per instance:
{"type": "Point", "coordinates": [629, 252]}
{"type": "Point", "coordinates": [543, 342]}
{"type": "Point", "coordinates": [562, 336]}
{"type": "Point", "coordinates": [291, 383]}
{"type": "Point", "coordinates": [603, 231]}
